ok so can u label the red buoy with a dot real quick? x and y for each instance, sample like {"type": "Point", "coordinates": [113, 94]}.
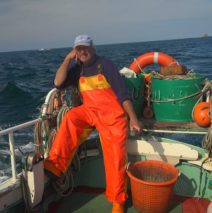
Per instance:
{"type": "Point", "coordinates": [202, 114]}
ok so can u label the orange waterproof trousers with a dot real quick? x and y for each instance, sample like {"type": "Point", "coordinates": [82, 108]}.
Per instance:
{"type": "Point", "coordinates": [102, 110]}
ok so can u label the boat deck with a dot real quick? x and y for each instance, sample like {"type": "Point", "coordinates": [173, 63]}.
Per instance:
{"type": "Point", "coordinates": [90, 200]}
{"type": "Point", "coordinates": [88, 196]}
{"type": "Point", "coordinates": [93, 202]}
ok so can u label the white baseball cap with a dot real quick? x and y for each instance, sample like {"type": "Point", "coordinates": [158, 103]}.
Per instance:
{"type": "Point", "coordinates": [84, 40]}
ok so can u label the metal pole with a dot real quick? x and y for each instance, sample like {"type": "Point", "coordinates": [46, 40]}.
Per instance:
{"type": "Point", "coordinates": [18, 127]}
{"type": "Point", "coordinates": [174, 131]}
{"type": "Point", "coordinates": [12, 156]}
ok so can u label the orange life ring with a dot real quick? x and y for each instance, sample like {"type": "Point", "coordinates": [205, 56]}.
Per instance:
{"type": "Point", "coordinates": [151, 58]}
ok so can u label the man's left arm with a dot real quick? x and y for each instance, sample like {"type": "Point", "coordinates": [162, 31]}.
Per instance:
{"type": "Point", "coordinates": [133, 120]}
{"type": "Point", "coordinates": [120, 89]}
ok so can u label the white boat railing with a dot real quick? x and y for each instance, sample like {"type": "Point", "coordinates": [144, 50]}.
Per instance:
{"type": "Point", "coordinates": [10, 134]}
{"type": "Point", "coordinates": [11, 130]}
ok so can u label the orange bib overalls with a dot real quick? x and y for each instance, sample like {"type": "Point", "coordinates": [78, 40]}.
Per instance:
{"type": "Point", "coordinates": [100, 109]}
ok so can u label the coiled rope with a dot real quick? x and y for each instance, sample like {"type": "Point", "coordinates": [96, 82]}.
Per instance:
{"type": "Point", "coordinates": [51, 138]}
{"type": "Point", "coordinates": [64, 185]}
{"type": "Point", "coordinates": [52, 113]}
{"type": "Point", "coordinates": [177, 99]}
{"type": "Point", "coordinates": [64, 109]}
{"type": "Point", "coordinates": [207, 140]}
{"type": "Point", "coordinates": [206, 144]}
{"type": "Point", "coordinates": [189, 75]}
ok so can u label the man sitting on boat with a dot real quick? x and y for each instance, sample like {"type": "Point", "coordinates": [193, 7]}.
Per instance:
{"type": "Point", "coordinates": [105, 102]}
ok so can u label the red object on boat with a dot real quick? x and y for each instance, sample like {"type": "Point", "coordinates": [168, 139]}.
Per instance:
{"type": "Point", "coordinates": [152, 185]}
{"type": "Point", "coordinates": [201, 114]}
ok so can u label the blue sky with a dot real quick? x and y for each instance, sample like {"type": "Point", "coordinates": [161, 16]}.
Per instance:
{"type": "Point", "coordinates": [35, 24]}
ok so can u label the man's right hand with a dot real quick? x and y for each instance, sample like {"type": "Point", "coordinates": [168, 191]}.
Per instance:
{"type": "Point", "coordinates": [62, 71]}
{"type": "Point", "coordinates": [71, 55]}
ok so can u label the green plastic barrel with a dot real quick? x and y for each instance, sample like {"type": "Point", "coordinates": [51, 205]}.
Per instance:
{"type": "Point", "coordinates": [136, 90]}
{"type": "Point", "coordinates": [173, 99]}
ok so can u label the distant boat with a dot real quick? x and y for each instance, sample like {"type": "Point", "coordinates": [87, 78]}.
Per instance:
{"type": "Point", "coordinates": [205, 35]}
{"type": "Point", "coordinates": [43, 49]}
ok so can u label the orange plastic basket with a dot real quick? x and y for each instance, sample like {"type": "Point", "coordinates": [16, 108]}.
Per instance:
{"type": "Point", "coordinates": [152, 185]}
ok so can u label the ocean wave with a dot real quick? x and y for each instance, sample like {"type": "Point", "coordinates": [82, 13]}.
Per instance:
{"type": "Point", "coordinates": [12, 88]}
{"type": "Point", "coordinates": [17, 104]}
{"type": "Point", "coordinates": [12, 96]}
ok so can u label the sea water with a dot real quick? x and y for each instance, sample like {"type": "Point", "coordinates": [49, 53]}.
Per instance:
{"type": "Point", "coordinates": [27, 76]}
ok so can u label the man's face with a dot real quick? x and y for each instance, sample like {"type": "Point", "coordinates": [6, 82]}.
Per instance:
{"type": "Point", "coordinates": [85, 54]}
